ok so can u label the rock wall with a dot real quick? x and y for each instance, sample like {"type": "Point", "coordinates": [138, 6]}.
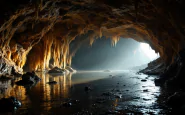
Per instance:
{"type": "Point", "coordinates": [7, 67]}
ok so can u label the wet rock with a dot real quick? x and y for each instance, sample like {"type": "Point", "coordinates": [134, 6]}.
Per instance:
{"type": "Point", "coordinates": [118, 90]}
{"type": "Point", "coordinates": [159, 82]}
{"type": "Point", "coordinates": [155, 67]}
{"type": "Point", "coordinates": [176, 100]}
{"type": "Point", "coordinates": [143, 80]}
{"type": "Point", "coordinates": [145, 99]}
{"type": "Point", "coordinates": [83, 112]}
{"type": "Point", "coordinates": [67, 104]}
{"type": "Point", "coordinates": [52, 82]}
{"type": "Point", "coordinates": [70, 69]}
{"type": "Point", "coordinates": [28, 79]}
{"type": "Point", "coordinates": [74, 101]}
{"type": "Point", "coordinates": [87, 88]}
{"type": "Point", "coordinates": [150, 113]}
{"type": "Point", "coordinates": [118, 96]}
{"type": "Point", "coordinates": [171, 83]}
{"type": "Point", "coordinates": [145, 90]}
{"type": "Point", "coordinates": [107, 94]}
{"type": "Point", "coordinates": [136, 97]}
{"type": "Point", "coordinates": [58, 70]}
{"type": "Point", "coordinates": [15, 73]}
{"type": "Point", "coordinates": [51, 66]}
{"type": "Point", "coordinates": [182, 109]}
{"type": "Point", "coordinates": [100, 100]}
{"type": "Point", "coordinates": [5, 78]}
{"type": "Point", "coordinates": [70, 102]}
{"type": "Point", "coordinates": [138, 73]}
{"type": "Point", "coordinates": [9, 104]}
{"type": "Point", "coordinates": [110, 112]}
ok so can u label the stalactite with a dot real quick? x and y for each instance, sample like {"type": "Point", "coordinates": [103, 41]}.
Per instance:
{"type": "Point", "coordinates": [50, 26]}
{"type": "Point", "coordinates": [115, 39]}
{"type": "Point", "coordinates": [48, 41]}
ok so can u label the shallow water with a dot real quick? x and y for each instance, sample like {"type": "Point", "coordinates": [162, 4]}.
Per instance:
{"type": "Point", "coordinates": [128, 94]}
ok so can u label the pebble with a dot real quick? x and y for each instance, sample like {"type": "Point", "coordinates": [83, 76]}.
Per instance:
{"type": "Point", "coordinates": [145, 90]}
{"type": "Point", "coordinates": [67, 104]}
{"type": "Point", "coordinates": [87, 88]}
{"type": "Point", "coordinates": [143, 80]}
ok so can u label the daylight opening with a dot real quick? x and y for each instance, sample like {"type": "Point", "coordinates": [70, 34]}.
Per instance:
{"type": "Point", "coordinates": [128, 54]}
{"type": "Point", "coordinates": [148, 51]}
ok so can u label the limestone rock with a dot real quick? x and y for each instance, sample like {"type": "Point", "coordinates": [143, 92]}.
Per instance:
{"type": "Point", "coordinates": [28, 78]}
{"type": "Point", "coordinates": [9, 104]}
{"type": "Point", "coordinates": [58, 70]}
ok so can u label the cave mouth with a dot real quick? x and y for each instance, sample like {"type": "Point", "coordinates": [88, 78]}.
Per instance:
{"type": "Point", "coordinates": [39, 35]}
{"type": "Point", "coordinates": [102, 55]}
{"type": "Point", "coordinates": [52, 52]}
{"type": "Point", "coordinates": [39, 30]}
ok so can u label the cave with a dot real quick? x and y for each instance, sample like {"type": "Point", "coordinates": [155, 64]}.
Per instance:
{"type": "Point", "coordinates": [40, 36]}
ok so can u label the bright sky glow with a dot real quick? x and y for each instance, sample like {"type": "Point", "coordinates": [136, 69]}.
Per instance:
{"type": "Point", "coordinates": [148, 51]}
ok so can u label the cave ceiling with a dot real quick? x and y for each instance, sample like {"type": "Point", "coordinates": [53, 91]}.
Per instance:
{"type": "Point", "coordinates": [36, 31]}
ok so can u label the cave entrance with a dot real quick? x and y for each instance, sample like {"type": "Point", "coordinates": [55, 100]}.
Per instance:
{"type": "Point", "coordinates": [102, 54]}
{"type": "Point", "coordinates": [127, 54]}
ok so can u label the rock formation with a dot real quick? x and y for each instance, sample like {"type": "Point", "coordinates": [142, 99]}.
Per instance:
{"type": "Point", "coordinates": [37, 33]}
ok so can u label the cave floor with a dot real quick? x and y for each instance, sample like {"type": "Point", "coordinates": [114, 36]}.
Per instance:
{"type": "Point", "coordinates": [118, 92]}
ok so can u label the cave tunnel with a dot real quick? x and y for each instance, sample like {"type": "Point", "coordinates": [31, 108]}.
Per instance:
{"type": "Point", "coordinates": [41, 42]}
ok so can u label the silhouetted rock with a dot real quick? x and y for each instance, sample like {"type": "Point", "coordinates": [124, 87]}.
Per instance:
{"type": "Point", "coordinates": [58, 70]}
{"type": "Point", "coordinates": [28, 79]}
{"type": "Point", "coordinates": [176, 100]}
{"type": "Point", "coordinates": [107, 94]}
{"type": "Point", "coordinates": [67, 104]}
{"type": "Point", "coordinates": [143, 80]}
{"type": "Point", "coordinates": [87, 88]}
{"type": "Point", "coordinates": [70, 102]}
{"type": "Point", "coordinates": [118, 96]}
{"type": "Point", "coordinates": [145, 90]}
{"type": "Point", "coordinates": [9, 104]}
{"type": "Point", "coordinates": [100, 100]}
{"type": "Point", "coordinates": [155, 67]}
{"type": "Point", "coordinates": [70, 69]}
{"type": "Point", "coordinates": [4, 78]}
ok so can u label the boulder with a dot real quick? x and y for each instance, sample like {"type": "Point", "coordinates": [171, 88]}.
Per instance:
{"type": "Point", "coordinates": [176, 100]}
{"type": "Point", "coordinates": [58, 70]}
{"type": "Point", "coordinates": [87, 88]}
{"type": "Point", "coordinates": [9, 104]}
{"type": "Point", "coordinates": [70, 69]}
{"type": "Point", "coordinates": [28, 78]}
{"type": "Point", "coordinates": [5, 77]}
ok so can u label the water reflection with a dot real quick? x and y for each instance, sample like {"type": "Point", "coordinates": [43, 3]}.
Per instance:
{"type": "Point", "coordinates": [7, 89]}
{"type": "Point", "coordinates": [41, 93]}
{"type": "Point", "coordinates": [54, 91]}
{"type": "Point", "coordinates": [43, 98]}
